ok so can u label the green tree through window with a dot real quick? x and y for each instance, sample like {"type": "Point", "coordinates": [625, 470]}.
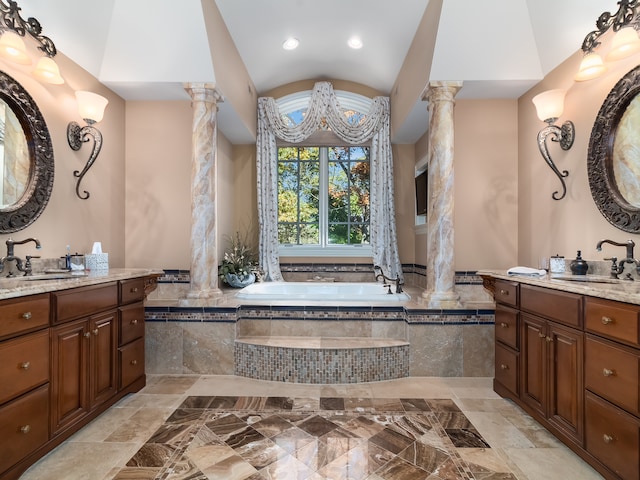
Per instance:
{"type": "Point", "coordinates": [323, 195]}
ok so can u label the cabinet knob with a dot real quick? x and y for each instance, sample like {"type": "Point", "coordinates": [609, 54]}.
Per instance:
{"type": "Point", "coordinates": [504, 292]}
{"type": "Point", "coordinates": [25, 429]}
{"type": "Point", "coordinates": [504, 367]}
{"type": "Point", "coordinates": [504, 325]}
{"type": "Point", "coordinates": [541, 335]}
{"type": "Point", "coordinates": [134, 290]}
{"type": "Point", "coordinates": [549, 339]}
{"type": "Point", "coordinates": [25, 365]}
{"type": "Point", "coordinates": [607, 438]}
{"type": "Point", "coordinates": [607, 320]}
{"type": "Point", "coordinates": [134, 362]}
{"type": "Point", "coordinates": [95, 331]}
{"type": "Point", "coordinates": [27, 315]}
{"type": "Point", "coordinates": [87, 334]}
{"type": "Point", "coordinates": [607, 372]}
{"type": "Point", "coordinates": [134, 321]}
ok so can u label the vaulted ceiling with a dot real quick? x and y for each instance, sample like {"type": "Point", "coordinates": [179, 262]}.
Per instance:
{"type": "Point", "coordinates": [146, 49]}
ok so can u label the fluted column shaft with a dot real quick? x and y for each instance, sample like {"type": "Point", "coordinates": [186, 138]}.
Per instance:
{"type": "Point", "coordinates": [440, 290]}
{"type": "Point", "coordinates": [204, 245]}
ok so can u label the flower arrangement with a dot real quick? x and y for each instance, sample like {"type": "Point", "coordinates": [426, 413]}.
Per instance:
{"type": "Point", "coordinates": [239, 266]}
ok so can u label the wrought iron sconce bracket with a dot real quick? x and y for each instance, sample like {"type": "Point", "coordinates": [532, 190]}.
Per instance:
{"type": "Point", "coordinates": [625, 15]}
{"type": "Point", "coordinates": [564, 135]}
{"type": "Point", "coordinates": [76, 136]}
{"type": "Point", "coordinates": [12, 20]}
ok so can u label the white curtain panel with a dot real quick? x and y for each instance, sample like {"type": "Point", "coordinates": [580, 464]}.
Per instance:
{"type": "Point", "coordinates": [324, 104]}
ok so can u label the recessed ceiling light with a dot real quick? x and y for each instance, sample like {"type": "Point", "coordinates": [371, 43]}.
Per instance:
{"type": "Point", "coordinates": [355, 43]}
{"type": "Point", "coordinates": [290, 43]}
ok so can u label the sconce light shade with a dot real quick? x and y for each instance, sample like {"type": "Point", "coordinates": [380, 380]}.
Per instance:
{"type": "Point", "coordinates": [91, 106]}
{"type": "Point", "coordinates": [12, 48]}
{"type": "Point", "coordinates": [549, 104]}
{"type": "Point", "coordinates": [591, 67]}
{"type": "Point", "coordinates": [624, 44]}
{"type": "Point", "coordinates": [47, 71]}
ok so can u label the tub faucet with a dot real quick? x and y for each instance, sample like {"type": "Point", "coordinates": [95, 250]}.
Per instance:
{"type": "Point", "coordinates": [384, 278]}
{"type": "Point", "coordinates": [11, 257]}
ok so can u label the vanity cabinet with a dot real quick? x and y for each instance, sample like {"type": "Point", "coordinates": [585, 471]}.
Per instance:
{"type": "Point", "coordinates": [24, 377]}
{"type": "Point", "coordinates": [612, 372]}
{"type": "Point", "coordinates": [65, 357]}
{"type": "Point", "coordinates": [578, 370]}
{"type": "Point", "coordinates": [507, 345]}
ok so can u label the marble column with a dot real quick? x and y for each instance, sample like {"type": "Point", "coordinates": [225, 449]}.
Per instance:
{"type": "Point", "coordinates": [440, 292]}
{"type": "Point", "coordinates": [204, 241]}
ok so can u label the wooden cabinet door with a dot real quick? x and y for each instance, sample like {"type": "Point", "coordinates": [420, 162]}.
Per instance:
{"type": "Point", "coordinates": [70, 350]}
{"type": "Point", "coordinates": [566, 405]}
{"type": "Point", "coordinates": [533, 362]}
{"type": "Point", "coordinates": [103, 361]}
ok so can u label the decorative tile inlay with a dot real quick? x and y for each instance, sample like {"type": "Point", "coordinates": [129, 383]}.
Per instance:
{"type": "Point", "coordinates": [222, 437]}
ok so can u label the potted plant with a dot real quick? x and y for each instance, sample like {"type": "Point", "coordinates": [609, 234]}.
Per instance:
{"type": "Point", "coordinates": [239, 266]}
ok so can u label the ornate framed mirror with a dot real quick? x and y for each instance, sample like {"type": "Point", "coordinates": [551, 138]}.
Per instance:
{"type": "Point", "coordinates": [26, 158]}
{"type": "Point", "coordinates": [613, 162]}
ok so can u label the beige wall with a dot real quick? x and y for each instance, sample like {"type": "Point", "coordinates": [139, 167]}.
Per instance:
{"type": "Point", "coordinates": [158, 180]}
{"type": "Point", "coordinates": [68, 220]}
{"type": "Point", "coordinates": [486, 184]}
{"type": "Point", "coordinates": [546, 226]}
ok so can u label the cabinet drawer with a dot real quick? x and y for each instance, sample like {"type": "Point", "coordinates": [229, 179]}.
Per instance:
{"type": "Point", "coordinates": [612, 373]}
{"type": "Point", "coordinates": [24, 364]}
{"type": "Point", "coordinates": [80, 302]}
{"type": "Point", "coordinates": [131, 290]}
{"type": "Point", "coordinates": [24, 424]}
{"type": "Point", "coordinates": [612, 436]}
{"type": "Point", "coordinates": [131, 362]}
{"type": "Point", "coordinates": [507, 368]}
{"type": "Point", "coordinates": [562, 307]}
{"type": "Point", "coordinates": [612, 319]}
{"type": "Point", "coordinates": [23, 314]}
{"type": "Point", "coordinates": [131, 322]}
{"type": "Point", "coordinates": [507, 326]}
{"type": "Point", "coordinates": [506, 292]}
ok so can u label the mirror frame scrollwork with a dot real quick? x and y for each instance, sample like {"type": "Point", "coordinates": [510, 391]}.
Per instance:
{"type": "Point", "coordinates": [604, 190]}
{"type": "Point", "coordinates": [40, 184]}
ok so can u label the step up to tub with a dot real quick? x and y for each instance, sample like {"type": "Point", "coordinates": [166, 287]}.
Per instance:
{"type": "Point", "coordinates": [321, 360]}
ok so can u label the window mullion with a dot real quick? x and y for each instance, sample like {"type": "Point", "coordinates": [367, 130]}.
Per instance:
{"type": "Point", "coordinates": [324, 201]}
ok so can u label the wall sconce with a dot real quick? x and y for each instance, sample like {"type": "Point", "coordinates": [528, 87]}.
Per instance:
{"type": "Point", "coordinates": [91, 107]}
{"type": "Point", "coordinates": [12, 28]}
{"type": "Point", "coordinates": [624, 43]}
{"type": "Point", "coordinates": [549, 106]}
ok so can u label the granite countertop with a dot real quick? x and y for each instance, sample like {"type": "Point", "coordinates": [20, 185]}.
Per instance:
{"type": "Point", "coordinates": [12, 287]}
{"type": "Point", "coordinates": [592, 285]}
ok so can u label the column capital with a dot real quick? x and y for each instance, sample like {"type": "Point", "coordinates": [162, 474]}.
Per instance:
{"type": "Point", "coordinates": [440, 91]}
{"type": "Point", "coordinates": [204, 92]}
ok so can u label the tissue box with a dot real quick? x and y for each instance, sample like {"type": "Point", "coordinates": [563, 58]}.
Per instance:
{"type": "Point", "coordinates": [96, 261]}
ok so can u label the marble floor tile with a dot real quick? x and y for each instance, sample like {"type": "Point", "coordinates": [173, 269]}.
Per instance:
{"type": "Point", "coordinates": [225, 427]}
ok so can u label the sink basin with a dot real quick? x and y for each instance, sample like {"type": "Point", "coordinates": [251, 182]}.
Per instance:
{"type": "Point", "coordinates": [50, 276]}
{"type": "Point", "coordinates": [589, 279]}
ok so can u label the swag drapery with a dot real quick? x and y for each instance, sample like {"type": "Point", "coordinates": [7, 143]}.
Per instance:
{"type": "Point", "coordinates": [324, 105]}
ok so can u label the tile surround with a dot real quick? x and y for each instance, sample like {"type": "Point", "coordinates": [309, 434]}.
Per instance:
{"type": "Point", "coordinates": [199, 337]}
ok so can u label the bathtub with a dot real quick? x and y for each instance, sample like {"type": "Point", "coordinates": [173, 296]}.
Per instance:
{"type": "Point", "coordinates": [324, 292]}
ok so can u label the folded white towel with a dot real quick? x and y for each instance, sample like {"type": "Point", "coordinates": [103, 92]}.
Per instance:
{"type": "Point", "coordinates": [534, 272]}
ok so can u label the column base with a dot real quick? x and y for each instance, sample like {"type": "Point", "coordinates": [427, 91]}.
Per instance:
{"type": "Point", "coordinates": [442, 299]}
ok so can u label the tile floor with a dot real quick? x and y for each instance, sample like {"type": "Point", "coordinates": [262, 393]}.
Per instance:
{"type": "Point", "coordinates": [232, 428]}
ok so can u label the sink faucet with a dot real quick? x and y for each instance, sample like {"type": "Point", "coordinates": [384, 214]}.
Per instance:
{"type": "Point", "coordinates": [618, 269]}
{"type": "Point", "coordinates": [384, 278]}
{"type": "Point", "coordinates": [11, 257]}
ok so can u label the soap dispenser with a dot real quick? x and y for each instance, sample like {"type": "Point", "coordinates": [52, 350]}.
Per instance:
{"type": "Point", "coordinates": [579, 266]}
